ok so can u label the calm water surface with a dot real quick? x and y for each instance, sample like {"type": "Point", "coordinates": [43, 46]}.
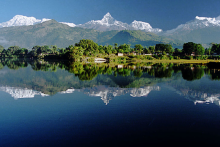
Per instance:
{"type": "Point", "coordinates": [47, 108]}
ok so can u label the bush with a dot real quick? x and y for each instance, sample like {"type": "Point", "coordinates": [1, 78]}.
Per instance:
{"type": "Point", "coordinates": [176, 57]}
{"type": "Point", "coordinates": [188, 57]}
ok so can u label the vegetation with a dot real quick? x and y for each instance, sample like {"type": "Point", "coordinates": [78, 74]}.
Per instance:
{"type": "Point", "coordinates": [87, 50]}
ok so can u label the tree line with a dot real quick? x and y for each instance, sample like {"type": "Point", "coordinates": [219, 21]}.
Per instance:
{"type": "Point", "coordinates": [86, 47]}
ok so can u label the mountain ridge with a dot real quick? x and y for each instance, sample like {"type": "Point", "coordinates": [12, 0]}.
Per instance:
{"type": "Point", "coordinates": [54, 33]}
{"type": "Point", "coordinates": [202, 30]}
{"type": "Point", "coordinates": [107, 23]}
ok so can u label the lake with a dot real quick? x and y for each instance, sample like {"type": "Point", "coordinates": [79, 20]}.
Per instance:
{"type": "Point", "coordinates": [73, 104]}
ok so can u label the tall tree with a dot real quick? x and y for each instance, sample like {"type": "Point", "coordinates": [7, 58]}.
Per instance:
{"type": "Point", "coordinates": [138, 48]}
{"type": "Point", "coordinates": [199, 49]}
{"type": "Point", "coordinates": [188, 48]}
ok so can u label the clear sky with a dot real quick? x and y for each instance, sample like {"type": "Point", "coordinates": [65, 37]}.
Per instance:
{"type": "Point", "coordinates": [164, 14]}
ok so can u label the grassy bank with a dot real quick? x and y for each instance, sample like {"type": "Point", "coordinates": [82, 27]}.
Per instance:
{"type": "Point", "coordinates": [176, 61]}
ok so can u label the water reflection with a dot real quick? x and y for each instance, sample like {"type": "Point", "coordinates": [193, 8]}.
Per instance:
{"type": "Point", "coordinates": [104, 92]}
{"type": "Point", "coordinates": [146, 102]}
{"type": "Point", "coordinates": [200, 97]}
{"type": "Point", "coordinates": [108, 93]}
{"type": "Point", "coordinates": [27, 78]}
{"type": "Point", "coordinates": [18, 93]}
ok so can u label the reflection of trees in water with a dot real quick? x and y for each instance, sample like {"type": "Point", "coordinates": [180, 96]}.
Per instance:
{"type": "Point", "coordinates": [213, 70]}
{"type": "Point", "coordinates": [13, 63]}
{"type": "Point", "coordinates": [44, 66]}
{"type": "Point", "coordinates": [191, 73]}
{"type": "Point", "coordinates": [78, 75]}
{"type": "Point", "coordinates": [89, 71]}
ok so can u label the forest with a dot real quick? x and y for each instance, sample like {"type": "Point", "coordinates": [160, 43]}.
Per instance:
{"type": "Point", "coordinates": [88, 48]}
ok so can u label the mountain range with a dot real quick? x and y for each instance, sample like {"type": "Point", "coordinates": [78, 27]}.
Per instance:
{"type": "Point", "coordinates": [29, 31]}
{"type": "Point", "coordinates": [52, 32]}
{"type": "Point", "coordinates": [107, 23]}
{"type": "Point", "coordinates": [199, 30]}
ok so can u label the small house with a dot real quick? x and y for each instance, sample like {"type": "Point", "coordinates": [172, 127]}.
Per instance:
{"type": "Point", "coordinates": [120, 54]}
{"type": "Point", "coordinates": [193, 54]}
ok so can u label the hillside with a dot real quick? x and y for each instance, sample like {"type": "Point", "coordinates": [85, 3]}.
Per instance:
{"type": "Point", "coordinates": [140, 37]}
{"type": "Point", "coordinates": [47, 33]}
{"type": "Point", "coordinates": [203, 35]}
{"type": "Point", "coordinates": [53, 33]}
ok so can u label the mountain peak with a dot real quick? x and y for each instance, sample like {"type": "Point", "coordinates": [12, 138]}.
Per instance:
{"type": "Point", "coordinates": [107, 15]}
{"type": "Point", "coordinates": [18, 16]}
{"type": "Point", "coordinates": [108, 19]}
{"type": "Point", "coordinates": [140, 25]}
{"type": "Point", "coordinates": [20, 20]}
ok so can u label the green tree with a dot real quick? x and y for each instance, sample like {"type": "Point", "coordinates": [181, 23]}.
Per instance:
{"type": "Point", "coordinates": [188, 48]}
{"type": "Point", "coordinates": [199, 49]}
{"type": "Point", "coordinates": [215, 48]}
{"type": "Point", "coordinates": [75, 52]}
{"type": "Point", "coordinates": [138, 48]}
{"type": "Point", "coordinates": [116, 46]}
{"type": "Point", "coordinates": [124, 48]}
{"type": "Point", "coordinates": [152, 49]}
{"type": "Point", "coordinates": [164, 47]}
{"type": "Point", "coordinates": [54, 49]}
{"type": "Point", "coordinates": [89, 46]}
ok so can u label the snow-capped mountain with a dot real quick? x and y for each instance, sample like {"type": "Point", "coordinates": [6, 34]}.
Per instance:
{"type": "Point", "coordinates": [69, 24]}
{"type": "Point", "coordinates": [139, 25]}
{"type": "Point", "coordinates": [109, 23]}
{"type": "Point", "coordinates": [106, 24]}
{"type": "Point", "coordinates": [197, 23]}
{"type": "Point", "coordinates": [20, 20]}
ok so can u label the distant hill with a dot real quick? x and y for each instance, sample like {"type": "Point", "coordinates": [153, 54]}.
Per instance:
{"type": "Point", "coordinates": [139, 37]}
{"type": "Point", "coordinates": [46, 33]}
{"type": "Point", "coordinates": [53, 33]}
{"type": "Point", "coordinates": [201, 35]}
{"type": "Point", "coordinates": [202, 30]}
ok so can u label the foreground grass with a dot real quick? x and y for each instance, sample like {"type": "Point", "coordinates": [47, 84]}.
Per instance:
{"type": "Point", "coordinates": [178, 61]}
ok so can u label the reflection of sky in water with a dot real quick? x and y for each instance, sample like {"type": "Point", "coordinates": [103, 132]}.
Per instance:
{"type": "Point", "coordinates": [79, 120]}
{"type": "Point", "coordinates": [163, 112]}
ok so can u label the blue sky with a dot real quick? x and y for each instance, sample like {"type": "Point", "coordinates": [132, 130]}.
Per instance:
{"type": "Point", "coordinates": [164, 14]}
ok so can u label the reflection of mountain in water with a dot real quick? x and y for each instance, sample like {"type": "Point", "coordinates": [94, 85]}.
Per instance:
{"type": "Point", "coordinates": [199, 91]}
{"type": "Point", "coordinates": [200, 97]}
{"type": "Point", "coordinates": [17, 93]}
{"type": "Point", "coordinates": [39, 78]}
{"type": "Point", "coordinates": [108, 93]}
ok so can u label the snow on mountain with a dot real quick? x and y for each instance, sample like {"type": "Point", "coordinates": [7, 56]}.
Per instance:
{"type": "Point", "coordinates": [139, 25]}
{"type": "Point", "coordinates": [197, 23]}
{"type": "Point", "coordinates": [109, 23]}
{"type": "Point", "coordinates": [20, 20]}
{"type": "Point", "coordinates": [106, 24]}
{"type": "Point", "coordinates": [69, 24]}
